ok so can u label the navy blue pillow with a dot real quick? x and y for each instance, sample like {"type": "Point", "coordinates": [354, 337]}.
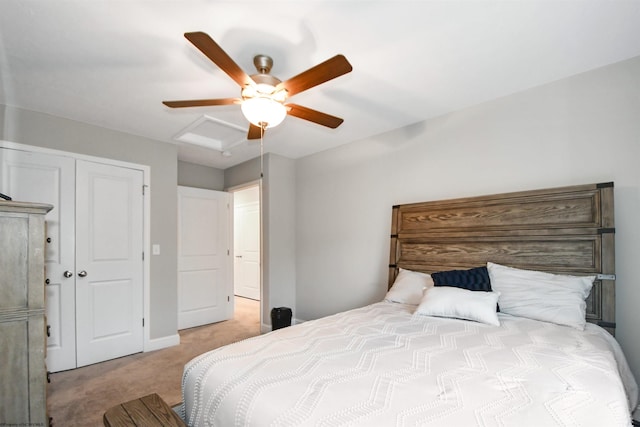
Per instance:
{"type": "Point", "coordinates": [474, 279]}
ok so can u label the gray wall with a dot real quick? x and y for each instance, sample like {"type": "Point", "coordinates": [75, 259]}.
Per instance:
{"type": "Point", "coordinates": [42, 130]}
{"type": "Point", "coordinates": [243, 173]}
{"type": "Point", "coordinates": [198, 176]}
{"type": "Point", "coordinates": [278, 221]}
{"type": "Point", "coordinates": [583, 129]}
{"type": "Point", "coordinates": [278, 202]}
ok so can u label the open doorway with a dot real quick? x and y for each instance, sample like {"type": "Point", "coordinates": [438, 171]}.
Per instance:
{"type": "Point", "coordinates": [247, 244]}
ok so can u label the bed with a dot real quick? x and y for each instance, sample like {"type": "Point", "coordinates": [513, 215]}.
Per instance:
{"type": "Point", "coordinates": [439, 352]}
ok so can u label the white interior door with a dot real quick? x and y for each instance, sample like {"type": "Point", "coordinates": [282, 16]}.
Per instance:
{"type": "Point", "coordinates": [205, 285]}
{"type": "Point", "coordinates": [109, 269]}
{"type": "Point", "coordinates": [246, 242]}
{"type": "Point", "coordinates": [47, 178]}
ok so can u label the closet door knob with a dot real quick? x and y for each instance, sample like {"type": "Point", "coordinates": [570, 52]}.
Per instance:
{"type": "Point", "coordinates": [82, 274]}
{"type": "Point", "coordinates": [67, 274]}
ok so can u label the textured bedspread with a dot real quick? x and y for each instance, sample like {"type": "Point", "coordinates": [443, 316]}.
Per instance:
{"type": "Point", "coordinates": [382, 366]}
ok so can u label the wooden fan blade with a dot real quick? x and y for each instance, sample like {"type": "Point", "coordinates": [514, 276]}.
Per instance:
{"type": "Point", "coordinates": [201, 102]}
{"type": "Point", "coordinates": [254, 132]}
{"type": "Point", "coordinates": [329, 69]}
{"type": "Point", "coordinates": [219, 57]}
{"type": "Point", "coordinates": [313, 116]}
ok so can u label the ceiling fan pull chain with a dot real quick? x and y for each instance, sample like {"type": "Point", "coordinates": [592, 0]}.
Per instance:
{"type": "Point", "coordinates": [262, 127]}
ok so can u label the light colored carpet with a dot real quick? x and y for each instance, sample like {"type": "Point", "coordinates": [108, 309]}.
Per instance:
{"type": "Point", "coordinates": [80, 397]}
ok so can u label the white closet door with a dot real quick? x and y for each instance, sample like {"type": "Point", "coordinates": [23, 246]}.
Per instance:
{"type": "Point", "coordinates": [109, 272]}
{"type": "Point", "coordinates": [205, 284]}
{"type": "Point", "coordinates": [47, 178]}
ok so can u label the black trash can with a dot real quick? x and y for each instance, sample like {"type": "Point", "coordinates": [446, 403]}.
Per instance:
{"type": "Point", "coordinates": [280, 317]}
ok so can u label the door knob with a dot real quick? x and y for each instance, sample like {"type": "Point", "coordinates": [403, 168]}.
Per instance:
{"type": "Point", "coordinates": [82, 274]}
{"type": "Point", "coordinates": [67, 274]}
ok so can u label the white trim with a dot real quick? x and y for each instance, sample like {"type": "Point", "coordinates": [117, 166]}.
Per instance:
{"type": "Point", "coordinates": [264, 299]}
{"type": "Point", "coordinates": [264, 328]}
{"type": "Point", "coordinates": [96, 159]}
{"type": "Point", "coordinates": [146, 172]}
{"type": "Point", "coordinates": [162, 342]}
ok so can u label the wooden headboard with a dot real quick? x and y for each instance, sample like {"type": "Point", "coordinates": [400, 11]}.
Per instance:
{"type": "Point", "coordinates": [568, 230]}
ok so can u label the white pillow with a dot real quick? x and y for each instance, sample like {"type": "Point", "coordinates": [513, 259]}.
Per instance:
{"type": "Point", "coordinates": [447, 301]}
{"type": "Point", "coordinates": [554, 298]}
{"type": "Point", "coordinates": [408, 287]}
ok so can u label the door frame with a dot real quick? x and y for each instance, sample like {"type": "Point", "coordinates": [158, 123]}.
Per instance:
{"type": "Point", "coordinates": [232, 190]}
{"type": "Point", "coordinates": [148, 343]}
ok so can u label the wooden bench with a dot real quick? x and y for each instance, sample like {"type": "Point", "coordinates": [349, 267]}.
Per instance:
{"type": "Point", "coordinates": [148, 411]}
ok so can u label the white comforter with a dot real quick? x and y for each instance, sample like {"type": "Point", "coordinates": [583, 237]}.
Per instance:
{"type": "Point", "coordinates": [382, 366]}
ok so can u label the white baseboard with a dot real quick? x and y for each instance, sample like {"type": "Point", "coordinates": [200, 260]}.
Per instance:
{"type": "Point", "coordinates": [264, 328]}
{"type": "Point", "coordinates": [160, 343]}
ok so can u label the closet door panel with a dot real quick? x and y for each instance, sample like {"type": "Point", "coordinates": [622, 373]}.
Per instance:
{"type": "Point", "coordinates": [48, 178]}
{"type": "Point", "coordinates": [110, 208]}
{"type": "Point", "coordinates": [109, 273]}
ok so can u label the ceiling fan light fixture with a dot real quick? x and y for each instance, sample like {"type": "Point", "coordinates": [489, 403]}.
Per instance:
{"type": "Point", "coordinates": [263, 111]}
{"type": "Point", "coordinates": [263, 95]}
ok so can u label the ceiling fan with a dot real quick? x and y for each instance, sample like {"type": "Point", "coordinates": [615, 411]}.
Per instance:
{"type": "Point", "coordinates": [263, 96]}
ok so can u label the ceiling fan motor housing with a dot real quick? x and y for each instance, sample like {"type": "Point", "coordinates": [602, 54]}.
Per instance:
{"type": "Point", "coordinates": [265, 82]}
{"type": "Point", "coordinates": [265, 86]}
{"type": "Point", "coordinates": [266, 79]}
{"type": "Point", "coordinates": [263, 63]}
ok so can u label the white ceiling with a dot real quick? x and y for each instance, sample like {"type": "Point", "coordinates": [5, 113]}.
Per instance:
{"type": "Point", "coordinates": [111, 63]}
